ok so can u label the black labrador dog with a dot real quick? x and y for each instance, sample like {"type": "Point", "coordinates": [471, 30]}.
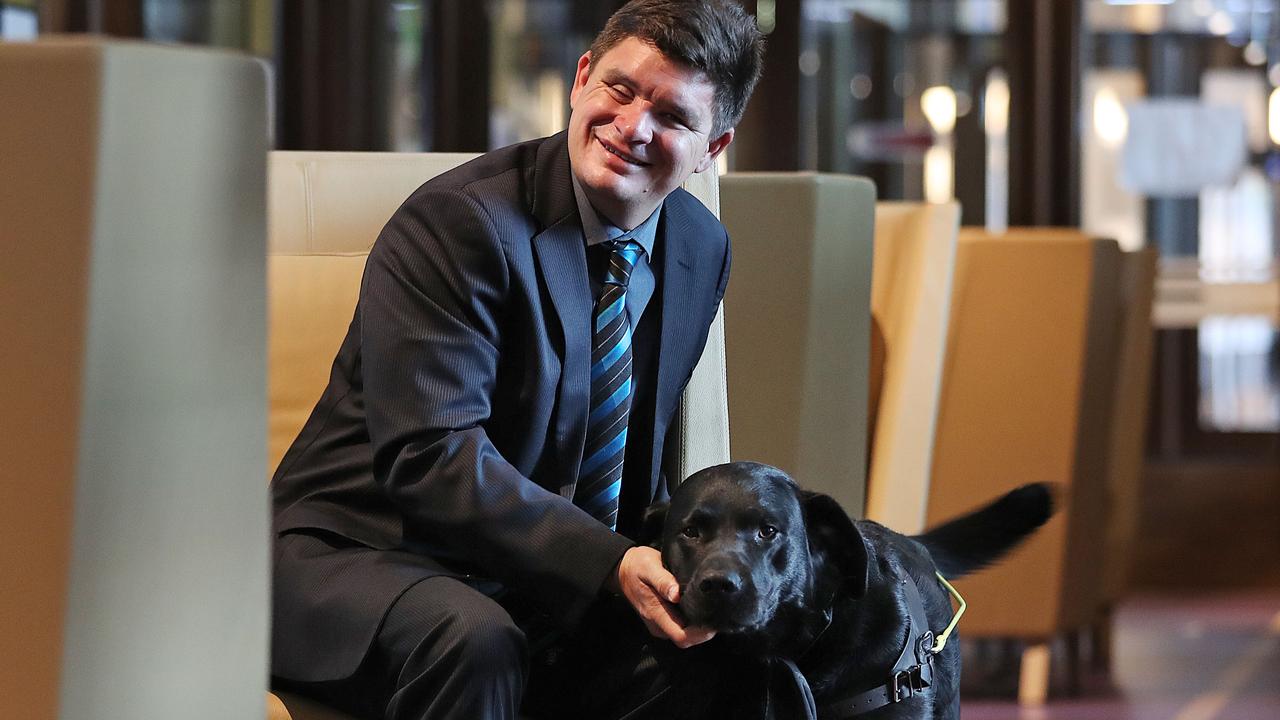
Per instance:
{"type": "Point", "coordinates": [847, 612]}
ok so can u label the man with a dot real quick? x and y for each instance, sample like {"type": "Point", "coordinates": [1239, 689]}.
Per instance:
{"type": "Point", "coordinates": [499, 405]}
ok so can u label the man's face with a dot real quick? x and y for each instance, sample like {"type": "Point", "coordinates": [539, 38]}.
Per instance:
{"type": "Point", "coordinates": [641, 124]}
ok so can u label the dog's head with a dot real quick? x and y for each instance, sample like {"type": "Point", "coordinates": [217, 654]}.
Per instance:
{"type": "Point", "coordinates": [744, 542]}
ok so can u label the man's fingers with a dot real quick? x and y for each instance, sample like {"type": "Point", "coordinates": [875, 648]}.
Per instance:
{"type": "Point", "coordinates": [654, 592]}
{"type": "Point", "coordinates": [686, 637]}
{"type": "Point", "coordinates": [695, 635]}
{"type": "Point", "coordinates": [662, 582]}
{"type": "Point", "coordinates": [672, 593]}
{"type": "Point", "coordinates": [669, 591]}
{"type": "Point", "coordinates": [665, 622]}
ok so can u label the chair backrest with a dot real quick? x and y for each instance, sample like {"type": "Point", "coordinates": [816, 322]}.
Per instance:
{"type": "Point", "coordinates": [1129, 417]}
{"type": "Point", "coordinates": [133, 521]}
{"type": "Point", "coordinates": [797, 333]}
{"type": "Point", "coordinates": [703, 438]}
{"type": "Point", "coordinates": [915, 252]}
{"type": "Point", "coordinates": [1026, 396]}
{"type": "Point", "coordinates": [326, 210]}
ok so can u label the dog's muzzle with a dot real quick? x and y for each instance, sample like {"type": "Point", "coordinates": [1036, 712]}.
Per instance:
{"type": "Point", "coordinates": [722, 595]}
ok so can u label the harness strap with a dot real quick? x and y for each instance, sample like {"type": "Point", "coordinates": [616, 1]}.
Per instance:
{"type": "Point", "coordinates": [789, 695]}
{"type": "Point", "coordinates": [912, 672]}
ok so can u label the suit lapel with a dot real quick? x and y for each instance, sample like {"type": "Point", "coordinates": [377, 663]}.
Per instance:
{"type": "Point", "coordinates": [562, 260]}
{"type": "Point", "coordinates": [675, 234]}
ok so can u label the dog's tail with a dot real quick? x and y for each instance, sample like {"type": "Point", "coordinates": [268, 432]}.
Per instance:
{"type": "Point", "coordinates": [973, 541]}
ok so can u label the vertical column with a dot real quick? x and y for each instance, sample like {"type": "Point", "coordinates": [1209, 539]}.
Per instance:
{"type": "Point", "coordinates": [334, 77]}
{"type": "Point", "coordinates": [1174, 64]}
{"type": "Point", "coordinates": [118, 18]}
{"type": "Point", "coordinates": [64, 16]}
{"type": "Point", "coordinates": [1043, 61]}
{"type": "Point", "coordinates": [458, 95]}
{"type": "Point", "coordinates": [769, 135]}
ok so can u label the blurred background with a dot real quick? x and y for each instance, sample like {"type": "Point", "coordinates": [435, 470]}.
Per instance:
{"type": "Point", "coordinates": [931, 99]}
{"type": "Point", "coordinates": [1096, 107]}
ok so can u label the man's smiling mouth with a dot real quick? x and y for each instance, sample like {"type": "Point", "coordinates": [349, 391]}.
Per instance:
{"type": "Point", "coordinates": [626, 158]}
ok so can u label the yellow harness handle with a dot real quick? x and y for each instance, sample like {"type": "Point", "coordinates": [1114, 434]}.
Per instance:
{"type": "Point", "coordinates": [941, 641]}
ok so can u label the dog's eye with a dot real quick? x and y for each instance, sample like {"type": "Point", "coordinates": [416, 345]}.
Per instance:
{"type": "Point", "coordinates": [690, 532]}
{"type": "Point", "coordinates": [768, 531]}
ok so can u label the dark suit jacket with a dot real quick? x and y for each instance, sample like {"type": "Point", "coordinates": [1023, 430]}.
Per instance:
{"type": "Point", "coordinates": [451, 432]}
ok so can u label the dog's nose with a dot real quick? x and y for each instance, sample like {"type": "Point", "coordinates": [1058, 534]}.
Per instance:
{"type": "Point", "coordinates": [720, 584]}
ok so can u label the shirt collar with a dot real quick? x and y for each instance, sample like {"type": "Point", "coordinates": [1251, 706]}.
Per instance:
{"type": "Point", "coordinates": [598, 230]}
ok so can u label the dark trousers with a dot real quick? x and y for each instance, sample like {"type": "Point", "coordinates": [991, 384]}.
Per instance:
{"type": "Point", "coordinates": [447, 650]}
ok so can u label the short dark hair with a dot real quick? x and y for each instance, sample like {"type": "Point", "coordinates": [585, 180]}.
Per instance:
{"type": "Point", "coordinates": [716, 37]}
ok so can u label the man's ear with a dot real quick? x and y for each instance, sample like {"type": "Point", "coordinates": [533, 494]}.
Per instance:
{"type": "Point", "coordinates": [714, 148]}
{"type": "Point", "coordinates": [580, 77]}
{"type": "Point", "coordinates": [834, 541]}
{"type": "Point", "coordinates": [651, 529]}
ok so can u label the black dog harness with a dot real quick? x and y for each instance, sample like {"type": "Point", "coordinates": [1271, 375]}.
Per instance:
{"type": "Point", "coordinates": [913, 670]}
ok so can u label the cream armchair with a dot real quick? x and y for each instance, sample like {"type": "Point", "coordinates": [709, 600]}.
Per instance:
{"type": "Point", "coordinates": [798, 331]}
{"type": "Point", "coordinates": [133, 519]}
{"type": "Point", "coordinates": [1027, 396]}
{"type": "Point", "coordinates": [915, 255]}
{"type": "Point", "coordinates": [326, 210]}
{"type": "Point", "coordinates": [1130, 407]}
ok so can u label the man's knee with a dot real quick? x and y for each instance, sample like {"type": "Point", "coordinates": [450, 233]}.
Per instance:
{"type": "Point", "coordinates": [446, 625]}
{"type": "Point", "coordinates": [484, 638]}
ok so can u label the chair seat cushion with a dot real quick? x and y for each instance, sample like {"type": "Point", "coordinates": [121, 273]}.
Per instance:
{"type": "Point", "coordinates": [287, 706]}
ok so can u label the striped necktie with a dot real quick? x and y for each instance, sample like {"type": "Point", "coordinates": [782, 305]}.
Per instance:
{"type": "Point", "coordinates": [600, 477]}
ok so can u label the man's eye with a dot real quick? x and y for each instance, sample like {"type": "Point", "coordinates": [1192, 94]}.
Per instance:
{"type": "Point", "coordinates": [767, 532]}
{"type": "Point", "coordinates": [690, 532]}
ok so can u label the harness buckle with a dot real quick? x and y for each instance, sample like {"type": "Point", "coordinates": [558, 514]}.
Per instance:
{"type": "Point", "coordinates": [905, 684]}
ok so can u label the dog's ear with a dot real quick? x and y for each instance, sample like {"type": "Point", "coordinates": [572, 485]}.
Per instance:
{"type": "Point", "coordinates": [834, 541]}
{"type": "Point", "coordinates": [651, 529]}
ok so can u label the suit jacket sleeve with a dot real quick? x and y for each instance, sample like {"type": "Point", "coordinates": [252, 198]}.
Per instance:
{"type": "Point", "coordinates": [432, 302]}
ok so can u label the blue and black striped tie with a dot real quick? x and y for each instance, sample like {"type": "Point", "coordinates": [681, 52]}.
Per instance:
{"type": "Point", "coordinates": [600, 478]}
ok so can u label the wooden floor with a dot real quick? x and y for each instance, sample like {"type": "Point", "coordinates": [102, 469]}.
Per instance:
{"type": "Point", "coordinates": [1176, 657]}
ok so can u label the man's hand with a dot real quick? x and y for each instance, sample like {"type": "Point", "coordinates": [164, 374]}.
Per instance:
{"type": "Point", "coordinates": [654, 592]}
